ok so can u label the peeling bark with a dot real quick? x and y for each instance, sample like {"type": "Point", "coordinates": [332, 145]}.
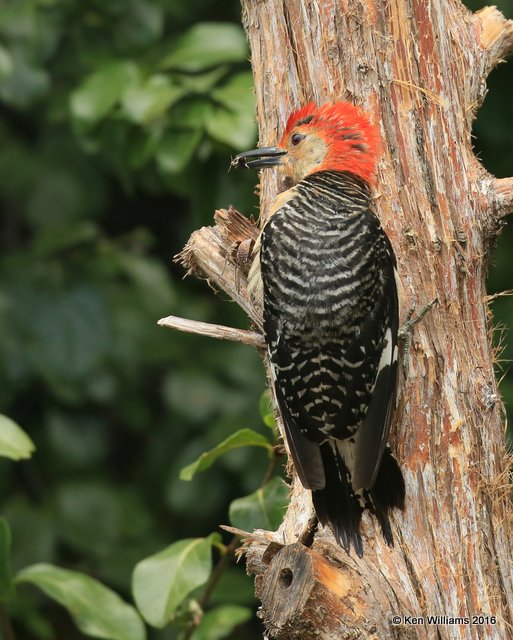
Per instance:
{"type": "Point", "coordinates": [419, 67]}
{"type": "Point", "coordinates": [503, 190]}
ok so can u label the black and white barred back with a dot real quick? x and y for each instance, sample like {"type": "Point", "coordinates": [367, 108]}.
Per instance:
{"type": "Point", "coordinates": [331, 322]}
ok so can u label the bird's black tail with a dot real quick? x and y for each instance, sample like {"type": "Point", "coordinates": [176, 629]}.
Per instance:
{"type": "Point", "coordinates": [341, 508]}
{"type": "Point", "coordinates": [337, 505]}
{"type": "Point", "coordinates": [387, 493]}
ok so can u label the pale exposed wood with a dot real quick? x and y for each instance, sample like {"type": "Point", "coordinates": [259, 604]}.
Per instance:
{"type": "Point", "coordinates": [211, 251]}
{"type": "Point", "coordinates": [251, 338]}
{"type": "Point", "coordinates": [419, 67]}
{"type": "Point", "coordinates": [503, 189]}
{"type": "Point", "coordinates": [495, 35]}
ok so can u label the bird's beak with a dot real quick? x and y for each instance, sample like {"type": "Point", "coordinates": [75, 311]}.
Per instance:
{"type": "Point", "coordinates": [258, 158]}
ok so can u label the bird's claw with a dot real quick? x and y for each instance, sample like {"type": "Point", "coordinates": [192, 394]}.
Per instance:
{"type": "Point", "coordinates": [405, 330]}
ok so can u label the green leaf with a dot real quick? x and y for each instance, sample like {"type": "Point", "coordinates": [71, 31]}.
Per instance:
{"type": "Point", "coordinates": [26, 83]}
{"type": "Point", "coordinates": [100, 91]}
{"type": "Point", "coordinates": [6, 583]}
{"type": "Point", "coordinates": [202, 82]}
{"type": "Point", "coordinates": [192, 113]}
{"type": "Point", "coordinates": [14, 442]}
{"type": "Point", "coordinates": [216, 541]}
{"type": "Point", "coordinates": [263, 509]}
{"type": "Point", "coordinates": [6, 63]}
{"type": "Point", "coordinates": [234, 121]}
{"type": "Point", "coordinates": [24, 519]}
{"type": "Point", "coordinates": [242, 438]}
{"type": "Point", "coordinates": [64, 236]}
{"type": "Point", "coordinates": [161, 582]}
{"type": "Point", "coordinates": [220, 622]}
{"type": "Point", "coordinates": [144, 102]}
{"type": "Point", "coordinates": [96, 610]}
{"type": "Point", "coordinates": [233, 587]}
{"type": "Point", "coordinates": [237, 93]}
{"type": "Point", "coordinates": [176, 149]}
{"type": "Point", "coordinates": [207, 45]}
{"type": "Point", "coordinates": [143, 146]}
{"type": "Point", "coordinates": [139, 23]}
{"type": "Point", "coordinates": [235, 128]}
{"type": "Point", "coordinates": [150, 276]}
{"type": "Point", "coordinates": [267, 410]}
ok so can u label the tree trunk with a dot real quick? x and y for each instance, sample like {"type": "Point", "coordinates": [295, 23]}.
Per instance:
{"type": "Point", "coordinates": [419, 68]}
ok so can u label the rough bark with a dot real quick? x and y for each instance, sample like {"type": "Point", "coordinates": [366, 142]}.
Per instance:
{"type": "Point", "coordinates": [419, 67]}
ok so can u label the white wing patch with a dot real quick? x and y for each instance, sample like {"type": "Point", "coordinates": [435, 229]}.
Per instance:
{"type": "Point", "coordinates": [389, 353]}
{"type": "Point", "coordinates": [255, 284]}
{"type": "Point", "coordinates": [351, 449]}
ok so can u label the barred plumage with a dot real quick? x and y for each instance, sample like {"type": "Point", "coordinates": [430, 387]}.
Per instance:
{"type": "Point", "coordinates": [330, 312]}
{"type": "Point", "coordinates": [326, 272]}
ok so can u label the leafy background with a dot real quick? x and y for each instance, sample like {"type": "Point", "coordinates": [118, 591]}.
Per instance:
{"type": "Point", "coordinates": [117, 121]}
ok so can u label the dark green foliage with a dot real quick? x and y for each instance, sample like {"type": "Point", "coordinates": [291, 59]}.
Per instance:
{"type": "Point", "coordinates": [493, 145]}
{"type": "Point", "coordinates": [117, 122]}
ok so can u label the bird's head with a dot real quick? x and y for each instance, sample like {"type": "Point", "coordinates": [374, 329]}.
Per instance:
{"type": "Point", "coordinates": [337, 137]}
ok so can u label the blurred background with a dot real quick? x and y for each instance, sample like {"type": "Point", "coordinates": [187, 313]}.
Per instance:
{"type": "Point", "coordinates": [117, 122]}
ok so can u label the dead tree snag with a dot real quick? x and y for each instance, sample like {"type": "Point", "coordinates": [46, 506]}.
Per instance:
{"type": "Point", "coordinates": [420, 67]}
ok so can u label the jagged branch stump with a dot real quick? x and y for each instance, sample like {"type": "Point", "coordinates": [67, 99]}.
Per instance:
{"type": "Point", "coordinates": [420, 67]}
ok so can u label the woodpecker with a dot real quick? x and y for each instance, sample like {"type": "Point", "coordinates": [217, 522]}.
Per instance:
{"type": "Point", "coordinates": [324, 271]}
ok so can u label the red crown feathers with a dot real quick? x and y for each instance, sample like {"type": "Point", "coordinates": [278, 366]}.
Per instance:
{"type": "Point", "coordinates": [353, 142]}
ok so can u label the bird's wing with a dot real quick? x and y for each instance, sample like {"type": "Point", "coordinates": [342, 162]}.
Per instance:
{"type": "Point", "coordinates": [304, 451]}
{"type": "Point", "coordinates": [340, 381]}
{"type": "Point", "coordinates": [371, 436]}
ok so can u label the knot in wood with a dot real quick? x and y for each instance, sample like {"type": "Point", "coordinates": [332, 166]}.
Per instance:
{"type": "Point", "coordinates": [304, 597]}
{"type": "Point", "coordinates": [286, 577]}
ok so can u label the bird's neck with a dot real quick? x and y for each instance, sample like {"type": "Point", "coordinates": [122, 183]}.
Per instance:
{"type": "Point", "coordinates": [332, 185]}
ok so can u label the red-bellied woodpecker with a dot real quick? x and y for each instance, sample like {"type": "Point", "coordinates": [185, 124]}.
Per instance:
{"type": "Point", "coordinates": [325, 273]}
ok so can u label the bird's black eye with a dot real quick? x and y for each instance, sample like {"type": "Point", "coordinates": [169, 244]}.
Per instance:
{"type": "Point", "coordinates": [296, 138]}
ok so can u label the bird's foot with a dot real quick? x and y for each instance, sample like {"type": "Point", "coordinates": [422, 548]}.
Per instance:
{"type": "Point", "coordinates": [406, 329]}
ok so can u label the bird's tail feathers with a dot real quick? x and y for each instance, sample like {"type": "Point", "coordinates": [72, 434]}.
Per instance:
{"type": "Point", "coordinates": [337, 505]}
{"type": "Point", "coordinates": [387, 493]}
{"type": "Point", "coordinates": [340, 507]}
